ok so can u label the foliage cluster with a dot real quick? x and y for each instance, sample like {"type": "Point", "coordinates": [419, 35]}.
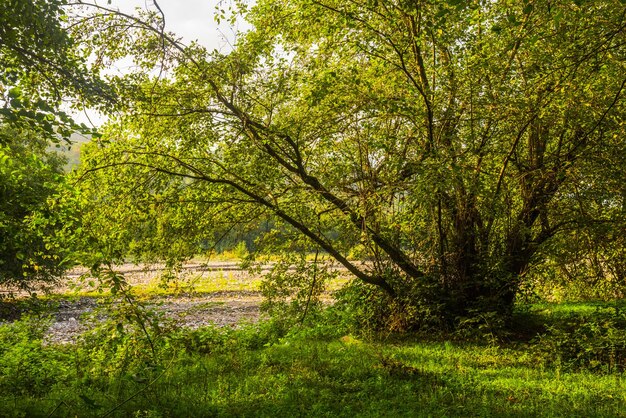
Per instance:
{"type": "Point", "coordinates": [293, 290]}
{"type": "Point", "coordinates": [42, 65]}
{"type": "Point", "coordinates": [26, 369]}
{"type": "Point", "coordinates": [36, 222]}
{"type": "Point", "coordinates": [586, 341]}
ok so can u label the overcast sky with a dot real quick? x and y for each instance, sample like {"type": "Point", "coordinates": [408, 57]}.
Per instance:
{"type": "Point", "coordinates": [189, 19]}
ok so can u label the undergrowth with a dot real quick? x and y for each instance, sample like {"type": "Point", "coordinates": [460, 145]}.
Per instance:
{"type": "Point", "coordinates": [149, 368]}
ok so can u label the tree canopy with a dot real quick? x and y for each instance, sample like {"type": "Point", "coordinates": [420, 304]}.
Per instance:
{"type": "Point", "coordinates": [454, 143]}
{"type": "Point", "coordinates": [42, 66]}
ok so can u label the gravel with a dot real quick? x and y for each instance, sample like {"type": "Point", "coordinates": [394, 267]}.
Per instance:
{"type": "Point", "coordinates": [221, 308]}
{"type": "Point", "coordinates": [185, 311]}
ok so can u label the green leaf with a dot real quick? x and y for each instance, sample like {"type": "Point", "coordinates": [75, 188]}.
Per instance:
{"type": "Point", "coordinates": [528, 8]}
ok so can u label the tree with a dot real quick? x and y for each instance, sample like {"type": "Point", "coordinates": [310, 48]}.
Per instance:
{"type": "Point", "coordinates": [30, 227]}
{"type": "Point", "coordinates": [450, 140]}
{"type": "Point", "coordinates": [42, 66]}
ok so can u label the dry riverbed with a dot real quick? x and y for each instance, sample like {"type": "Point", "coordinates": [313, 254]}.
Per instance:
{"type": "Point", "coordinates": [219, 293]}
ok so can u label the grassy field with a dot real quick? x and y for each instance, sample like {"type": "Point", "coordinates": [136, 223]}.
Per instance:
{"type": "Point", "coordinates": [559, 360]}
{"type": "Point", "coordinates": [133, 370]}
{"type": "Point", "coordinates": [198, 276]}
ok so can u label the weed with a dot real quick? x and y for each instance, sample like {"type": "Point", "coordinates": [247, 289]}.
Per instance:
{"type": "Point", "coordinates": [27, 367]}
{"type": "Point", "coordinates": [594, 342]}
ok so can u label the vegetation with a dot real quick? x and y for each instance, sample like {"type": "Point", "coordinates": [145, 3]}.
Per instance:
{"type": "Point", "coordinates": [461, 146]}
{"type": "Point", "coordinates": [418, 182]}
{"type": "Point", "coordinates": [30, 177]}
{"type": "Point", "coordinates": [312, 371]}
{"type": "Point", "coordinates": [41, 66]}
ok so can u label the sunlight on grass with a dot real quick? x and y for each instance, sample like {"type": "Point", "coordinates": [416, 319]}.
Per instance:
{"type": "Point", "coordinates": [221, 282]}
{"type": "Point", "coordinates": [213, 280]}
{"type": "Point", "coordinates": [261, 370]}
{"type": "Point", "coordinates": [569, 308]}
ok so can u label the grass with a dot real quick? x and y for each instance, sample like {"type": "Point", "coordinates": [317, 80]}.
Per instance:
{"type": "Point", "coordinates": [569, 308]}
{"type": "Point", "coordinates": [220, 282]}
{"type": "Point", "coordinates": [261, 371]}
{"type": "Point", "coordinates": [230, 279]}
{"type": "Point", "coordinates": [332, 378]}
{"type": "Point", "coordinates": [264, 370]}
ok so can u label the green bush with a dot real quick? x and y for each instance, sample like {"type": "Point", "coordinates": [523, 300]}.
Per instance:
{"type": "Point", "coordinates": [594, 342]}
{"type": "Point", "coordinates": [27, 366]}
{"type": "Point", "coordinates": [363, 308]}
{"type": "Point", "coordinates": [124, 340]}
{"type": "Point", "coordinates": [217, 340]}
{"type": "Point", "coordinates": [36, 224]}
{"type": "Point", "coordinates": [292, 290]}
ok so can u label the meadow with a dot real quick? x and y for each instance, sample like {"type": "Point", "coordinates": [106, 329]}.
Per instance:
{"type": "Point", "coordinates": [558, 360]}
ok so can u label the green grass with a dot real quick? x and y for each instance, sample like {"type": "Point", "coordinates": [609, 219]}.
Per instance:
{"type": "Point", "coordinates": [261, 371]}
{"type": "Point", "coordinates": [313, 378]}
{"type": "Point", "coordinates": [220, 282]}
{"type": "Point", "coordinates": [572, 308]}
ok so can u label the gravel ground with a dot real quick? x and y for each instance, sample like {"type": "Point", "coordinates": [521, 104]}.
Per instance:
{"type": "Point", "coordinates": [187, 311]}
{"type": "Point", "coordinates": [191, 310]}
{"type": "Point", "coordinates": [222, 308]}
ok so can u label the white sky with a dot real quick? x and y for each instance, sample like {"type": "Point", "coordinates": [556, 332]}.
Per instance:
{"type": "Point", "coordinates": [189, 19]}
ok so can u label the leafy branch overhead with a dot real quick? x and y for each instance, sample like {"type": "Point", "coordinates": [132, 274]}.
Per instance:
{"type": "Point", "coordinates": [41, 67]}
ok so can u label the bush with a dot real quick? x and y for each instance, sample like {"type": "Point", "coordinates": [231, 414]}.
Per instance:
{"type": "Point", "coordinates": [587, 342]}
{"type": "Point", "coordinates": [219, 340]}
{"type": "Point", "coordinates": [35, 222]}
{"type": "Point", "coordinates": [27, 366]}
{"type": "Point", "coordinates": [292, 290]}
{"type": "Point", "coordinates": [125, 339]}
{"type": "Point", "coordinates": [363, 308]}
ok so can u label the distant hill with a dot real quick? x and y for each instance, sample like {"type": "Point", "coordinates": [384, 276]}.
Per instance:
{"type": "Point", "coordinates": [71, 152]}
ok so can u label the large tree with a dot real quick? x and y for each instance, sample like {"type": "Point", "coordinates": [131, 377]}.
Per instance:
{"type": "Point", "coordinates": [451, 140]}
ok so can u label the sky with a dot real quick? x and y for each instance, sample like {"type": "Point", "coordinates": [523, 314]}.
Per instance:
{"type": "Point", "coordinates": [189, 19]}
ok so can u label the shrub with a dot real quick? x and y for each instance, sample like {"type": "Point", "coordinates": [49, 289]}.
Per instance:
{"type": "Point", "coordinates": [125, 338]}
{"type": "Point", "coordinates": [292, 290]}
{"type": "Point", "coordinates": [587, 342]}
{"type": "Point", "coordinates": [27, 366]}
{"type": "Point", "coordinates": [363, 308]}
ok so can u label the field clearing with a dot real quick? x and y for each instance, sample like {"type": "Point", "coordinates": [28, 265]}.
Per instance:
{"type": "Point", "coordinates": [191, 278]}
{"type": "Point", "coordinates": [199, 294]}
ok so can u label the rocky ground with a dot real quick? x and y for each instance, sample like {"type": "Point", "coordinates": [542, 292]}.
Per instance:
{"type": "Point", "coordinates": [190, 311]}
{"type": "Point", "coordinates": [225, 295]}
{"type": "Point", "coordinates": [187, 308]}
